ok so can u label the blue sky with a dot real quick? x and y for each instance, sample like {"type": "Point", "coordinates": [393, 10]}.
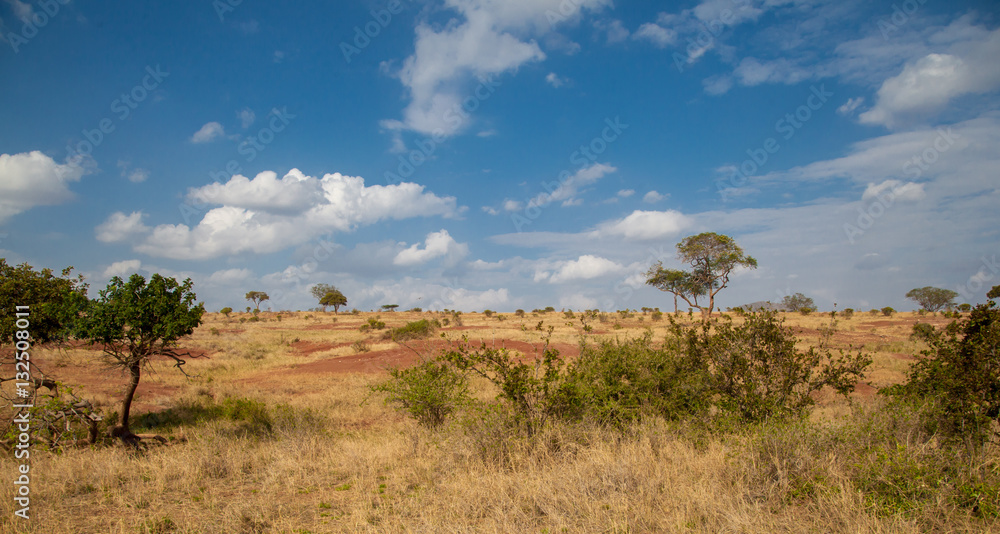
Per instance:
{"type": "Point", "coordinates": [474, 154]}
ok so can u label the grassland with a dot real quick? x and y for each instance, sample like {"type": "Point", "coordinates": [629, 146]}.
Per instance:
{"type": "Point", "coordinates": [277, 432]}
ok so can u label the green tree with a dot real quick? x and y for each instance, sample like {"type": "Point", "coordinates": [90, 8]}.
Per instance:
{"type": "Point", "coordinates": [798, 302]}
{"type": "Point", "coordinates": [390, 307]}
{"type": "Point", "coordinates": [226, 311]}
{"type": "Point", "coordinates": [712, 258]}
{"type": "Point", "coordinates": [932, 299]}
{"type": "Point", "coordinates": [320, 290]}
{"type": "Point", "coordinates": [134, 321]}
{"type": "Point", "coordinates": [333, 298]}
{"type": "Point", "coordinates": [54, 302]}
{"type": "Point", "coordinates": [257, 297]}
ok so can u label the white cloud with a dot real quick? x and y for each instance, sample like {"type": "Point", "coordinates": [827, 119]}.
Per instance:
{"type": "Point", "coordinates": [491, 210]}
{"type": "Point", "coordinates": [32, 179]}
{"type": "Point", "coordinates": [436, 245]}
{"type": "Point", "coordinates": [554, 80]}
{"type": "Point", "coordinates": [512, 205]}
{"type": "Point", "coordinates": [120, 227]}
{"type": "Point", "coordinates": [585, 268]}
{"type": "Point", "coordinates": [297, 208]}
{"type": "Point", "coordinates": [852, 104]}
{"type": "Point", "coordinates": [208, 133]}
{"type": "Point", "coordinates": [653, 197]}
{"type": "Point", "coordinates": [717, 85]}
{"type": "Point", "coordinates": [448, 60]}
{"type": "Point", "coordinates": [898, 191]}
{"type": "Point", "coordinates": [625, 193]}
{"type": "Point", "coordinates": [617, 32]}
{"type": "Point", "coordinates": [21, 9]}
{"type": "Point", "coordinates": [136, 175]}
{"type": "Point", "coordinates": [122, 268]}
{"type": "Point", "coordinates": [570, 187]}
{"type": "Point", "coordinates": [466, 299]}
{"type": "Point", "coordinates": [927, 85]}
{"type": "Point", "coordinates": [645, 225]}
{"type": "Point", "coordinates": [752, 71]}
{"type": "Point", "coordinates": [246, 116]}
{"type": "Point", "coordinates": [230, 276]}
{"type": "Point", "coordinates": [656, 34]}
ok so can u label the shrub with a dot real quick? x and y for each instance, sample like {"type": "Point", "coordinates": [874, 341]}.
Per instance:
{"type": "Point", "coordinates": [656, 316]}
{"type": "Point", "coordinates": [361, 346]}
{"type": "Point", "coordinates": [569, 314]}
{"type": "Point", "coordinates": [413, 330]}
{"type": "Point", "coordinates": [805, 311]}
{"type": "Point", "coordinates": [428, 392]}
{"type": "Point", "coordinates": [214, 331]}
{"type": "Point", "coordinates": [888, 311]}
{"type": "Point", "coordinates": [519, 313]}
{"type": "Point", "coordinates": [965, 307]}
{"type": "Point", "coordinates": [959, 375]}
{"type": "Point", "coordinates": [416, 310]}
{"type": "Point", "coordinates": [873, 312]}
{"type": "Point", "coordinates": [226, 311]}
{"type": "Point", "coordinates": [488, 313]}
{"type": "Point", "coordinates": [847, 313]}
{"type": "Point", "coordinates": [372, 324]}
{"type": "Point", "coordinates": [549, 309]}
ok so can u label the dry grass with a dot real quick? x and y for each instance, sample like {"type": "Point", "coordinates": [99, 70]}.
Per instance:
{"type": "Point", "coordinates": [333, 463]}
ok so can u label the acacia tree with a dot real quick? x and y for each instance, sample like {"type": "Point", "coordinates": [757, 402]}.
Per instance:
{"type": "Point", "coordinates": [932, 299]}
{"type": "Point", "coordinates": [134, 321]}
{"type": "Point", "coordinates": [798, 302]}
{"type": "Point", "coordinates": [712, 258]}
{"type": "Point", "coordinates": [257, 297]}
{"type": "Point", "coordinates": [320, 291]}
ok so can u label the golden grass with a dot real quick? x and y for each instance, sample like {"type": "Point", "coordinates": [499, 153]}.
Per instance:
{"type": "Point", "coordinates": [357, 466]}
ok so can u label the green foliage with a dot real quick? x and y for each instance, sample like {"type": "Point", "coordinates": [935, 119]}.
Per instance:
{"type": "Point", "coordinates": [847, 313]}
{"type": "Point", "coordinates": [226, 311]}
{"type": "Point", "coordinates": [390, 307]}
{"type": "Point", "coordinates": [373, 324]}
{"type": "Point", "coordinates": [55, 302]}
{"type": "Point", "coordinates": [333, 298]}
{"type": "Point", "coordinates": [319, 291]}
{"type": "Point", "coordinates": [964, 307]}
{"type": "Point", "coordinates": [549, 309]}
{"type": "Point", "coordinates": [888, 311]}
{"type": "Point", "coordinates": [256, 297]}
{"type": "Point", "coordinates": [361, 346]}
{"type": "Point", "coordinates": [569, 314]}
{"type": "Point", "coordinates": [798, 302]}
{"type": "Point", "coordinates": [135, 320]}
{"type": "Point", "coordinates": [712, 258]}
{"type": "Point", "coordinates": [959, 375]}
{"type": "Point", "coordinates": [428, 392]}
{"type": "Point", "coordinates": [488, 313]}
{"type": "Point", "coordinates": [656, 316]}
{"type": "Point", "coordinates": [758, 372]}
{"type": "Point", "coordinates": [413, 330]}
{"type": "Point", "coordinates": [519, 312]}
{"type": "Point", "coordinates": [932, 298]}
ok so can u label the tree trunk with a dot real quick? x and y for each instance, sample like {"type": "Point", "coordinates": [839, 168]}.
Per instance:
{"type": "Point", "coordinates": [675, 303]}
{"type": "Point", "coordinates": [122, 431]}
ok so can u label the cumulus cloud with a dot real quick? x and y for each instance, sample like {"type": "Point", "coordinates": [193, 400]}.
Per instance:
{"type": "Point", "coordinates": [584, 268]}
{"type": "Point", "coordinates": [625, 193]}
{"type": "Point", "coordinates": [449, 61]}
{"type": "Point", "coordinates": [32, 179]}
{"type": "Point", "coordinates": [208, 133]}
{"type": "Point", "coordinates": [246, 116]}
{"type": "Point", "coordinates": [436, 245]}
{"type": "Point", "coordinates": [645, 225]}
{"type": "Point", "coordinates": [752, 71]}
{"type": "Point", "coordinates": [653, 197]}
{"type": "Point", "coordinates": [927, 85]}
{"type": "Point", "coordinates": [300, 208]}
{"type": "Point", "coordinates": [123, 268]}
{"type": "Point", "coordinates": [656, 34]}
{"type": "Point", "coordinates": [555, 80]}
{"type": "Point", "coordinates": [567, 190]}
{"type": "Point", "coordinates": [120, 227]}
{"type": "Point", "coordinates": [852, 104]}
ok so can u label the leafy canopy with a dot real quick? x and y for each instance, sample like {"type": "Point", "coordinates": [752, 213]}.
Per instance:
{"type": "Point", "coordinates": [712, 258]}
{"type": "Point", "coordinates": [932, 298]}
{"type": "Point", "coordinates": [54, 301]}
{"type": "Point", "coordinates": [257, 297]}
{"type": "Point", "coordinates": [333, 298]}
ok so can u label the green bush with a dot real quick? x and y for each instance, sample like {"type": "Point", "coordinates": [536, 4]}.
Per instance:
{"type": "Point", "coordinates": [428, 392]}
{"type": "Point", "coordinates": [549, 309]}
{"type": "Point", "coordinates": [226, 311]}
{"type": "Point", "coordinates": [959, 375]}
{"type": "Point", "coordinates": [569, 314]}
{"type": "Point", "coordinates": [372, 324]}
{"type": "Point", "coordinates": [519, 312]}
{"type": "Point", "coordinates": [413, 330]}
{"type": "Point", "coordinates": [888, 311]}
{"type": "Point", "coordinates": [847, 313]}
{"type": "Point", "coordinates": [488, 313]}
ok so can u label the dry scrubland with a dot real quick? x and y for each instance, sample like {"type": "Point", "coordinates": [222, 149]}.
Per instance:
{"type": "Point", "coordinates": [274, 434]}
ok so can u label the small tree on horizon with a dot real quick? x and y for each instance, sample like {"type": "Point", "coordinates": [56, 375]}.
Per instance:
{"type": "Point", "coordinates": [798, 302]}
{"type": "Point", "coordinates": [333, 298]}
{"type": "Point", "coordinates": [932, 299]}
{"type": "Point", "coordinates": [712, 258]}
{"type": "Point", "coordinates": [257, 297]}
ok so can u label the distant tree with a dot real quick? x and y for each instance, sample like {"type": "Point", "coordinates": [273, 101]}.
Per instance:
{"type": "Point", "coordinates": [965, 307]}
{"type": "Point", "coordinates": [712, 258]}
{"type": "Point", "coordinates": [390, 307]}
{"type": "Point", "coordinates": [932, 298]}
{"type": "Point", "coordinates": [333, 298]}
{"type": "Point", "coordinates": [54, 302]}
{"type": "Point", "coordinates": [798, 302]}
{"type": "Point", "coordinates": [257, 297]}
{"type": "Point", "coordinates": [226, 311]}
{"type": "Point", "coordinates": [994, 293]}
{"type": "Point", "coordinates": [134, 321]}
